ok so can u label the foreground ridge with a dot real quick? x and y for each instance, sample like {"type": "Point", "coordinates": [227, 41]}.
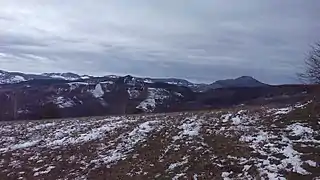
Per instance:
{"type": "Point", "coordinates": [240, 143]}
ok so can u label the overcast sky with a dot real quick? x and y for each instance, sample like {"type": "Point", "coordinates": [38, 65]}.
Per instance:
{"type": "Point", "coordinates": [200, 40]}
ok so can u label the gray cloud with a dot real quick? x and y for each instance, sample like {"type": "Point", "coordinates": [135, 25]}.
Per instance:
{"type": "Point", "coordinates": [201, 41]}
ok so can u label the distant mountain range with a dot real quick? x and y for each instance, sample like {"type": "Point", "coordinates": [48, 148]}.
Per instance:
{"type": "Point", "coordinates": [244, 81]}
{"type": "Point", "coordinates": [62, 95]}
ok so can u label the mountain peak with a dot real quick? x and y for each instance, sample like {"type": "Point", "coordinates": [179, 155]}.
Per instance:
{"type": "Point", "coordinates": [245, 78]}
{"type": "Point", "coordinates": [243, 81]}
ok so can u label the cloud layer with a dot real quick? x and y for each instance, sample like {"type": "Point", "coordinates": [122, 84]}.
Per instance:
{"type": "Point", "coordinates": [198, 40]}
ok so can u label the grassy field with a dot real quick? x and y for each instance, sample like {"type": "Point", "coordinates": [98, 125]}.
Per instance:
{"type": "Point", "coordinates": [239, 143]}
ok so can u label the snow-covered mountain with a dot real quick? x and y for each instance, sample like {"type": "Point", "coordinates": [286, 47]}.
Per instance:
{"type": "Point", "coordinates": [245, 81]}
{"type": "Point", "coordinates": [57, 98]}
{"type": "Point", "coordinates": [6, 78]}
{"type": "Point", "coordinates": [17, 77]}
{"type": "Point", "coordinates": [64, 76]}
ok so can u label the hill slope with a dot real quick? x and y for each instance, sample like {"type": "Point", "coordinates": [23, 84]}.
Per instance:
{"type": "Point", "coordinates": [279, 142]}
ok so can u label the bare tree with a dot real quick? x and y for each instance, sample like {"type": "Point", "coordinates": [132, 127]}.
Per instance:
{"type": "Point", "coordinates": [311, 73]}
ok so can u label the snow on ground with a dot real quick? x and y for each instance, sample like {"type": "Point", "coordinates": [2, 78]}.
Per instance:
{"type": "Point", "coordinates": [226, 144]}
{"type": "Point", "coordinates": [189, 127]}
{"type": "Point", "coordinates": [284, 110]}
{"type": "Point", "coordinates": [98, 91]}
{"type": "Point", "coordinates": [148, 81]}
{"type": "Point", "coordinates": [61, 76]}
{"type": "Point", "coordinates": [64, 102]}
{"type": "Point", "coordinates": [75, 85]}
{"type": "Point", "coordinates": [178, 176]}
{"type": "Point", "coordinates": [298, 129]}
{"type": "Point", "coordinates": [113, 76]}
{"type": "Point", "coordinates": [20, 146]}
{"type": "Point", "coordinates": [48, 169]}
{"type": "Point", "coordinates": [178, 94]}
{"type": "Point", "coordinates": [85, 77]}
{"type": "Point", "coordinates": [18, 79]}
{"type": "Point", "coordinates": [107, 82]}
{"type": "Point", "coordinates": [127, 142]}
{"type": "Point", "coordinates": [274, 144]}
{"type": "Point", "coordinates": [73, 132]}
{"type": "Point", "coordinates": [64, 139]}
{"type": "Point", "coordinates": [13, 79]}
{"type": "Point", "coordinates": [155, 95]}
{"type": "Point", "coordinates": [177, 164]}
{"type": "Point", "coordinates": [133, 93]}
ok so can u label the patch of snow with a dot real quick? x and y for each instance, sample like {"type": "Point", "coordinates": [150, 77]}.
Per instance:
{"type": "Point", "coordinates": [128, 142]}
{"type": "Point", "coordinates": [178, 176]}
{"type": "Point", "coordinates": [189, 128]}
{"type": "Point", "coordinates": [93, 134]}
{"type": "Point", "coordinates": [155, 95]}
{"type": "Point", "coordinates": [85, 77]}
{"type": "Point", "coordinates": [20, 146]}
{"type": "Point", "coordinates": [299, 105]}
{"type": "Point", "coordinates": [293, 158]}
{"type": "Point", "coordinates": [41, 126]}
{"type": "Point", "coordinates": [257, 138]}
{"type": "Point", "coordinates": [283, 111]}
{"type": "Point", "coordinates": [311, 163]}
{"type": "Point", "coordinates": [171, 82]}
{"type": "Point", "coordinates": [133, 93]}
{"type": "Point", "coordinates": [272, 143]}
{"type": "Point", "coordinates": [12, 79]}
{"type": "Point", "coordinates": [99, 132]}
{"type": "Point", "coordinates": [98, 91]}
{"type": "Point", "coordinates": [113, 76]}
{"type": "Point", "coordinates": [236, 120]}
{"type": "Point", "coordinates": [24, 145]}
{"type": "Point", "coordinates": [178, 94]}
{"type": "Point", "coordinates": [226, 117]}
{"type": "Point", "coordinates": [195, 177]}
{"type": "Point", "coordinates": [60, 76]}
{"type": "Point", "coordinates": [57, 77]}
{"type": "Point", "coordinates": [148, 81]}
{"type": "Point", "coordinates": [45, 171]}
{"type": "Point", "coordinates": [225, 175]}
{"type": "Point", "coordinates": [75, 85]}
{"type": "Point", "coordinates": [23, 111]}
{"type": "Point", "coordinates": [64, 103]}
{"type": "Point", "coordinates": [298, 130]}
{"type": "Point", "coordinates": [246, 167]}
{"type": "Point", "coordinates": [175, 165]}
{"type": "Point", "coordinates": [147, 105]}
{"type": "Point", "coordinates": [18, 79]}
{"type": "Point", "coordinates": [107, 82]}
{"type": "Point", "coordinates": [261, 143]}
{"type": "Point", "coordinates": [15, 164]}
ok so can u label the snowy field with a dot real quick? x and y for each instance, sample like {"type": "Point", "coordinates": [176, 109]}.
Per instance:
{"type": "Point", "coordinates": [248, 143]}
